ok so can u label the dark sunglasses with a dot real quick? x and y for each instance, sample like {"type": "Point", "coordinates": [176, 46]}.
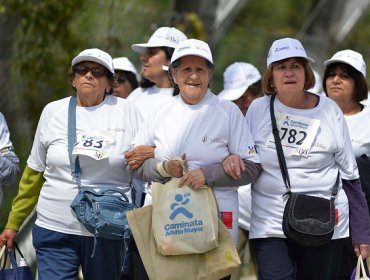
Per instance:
{"type": "Point", "coordinates": [121, 78]}
{"type": "Point", "coordinates": [97, 72]}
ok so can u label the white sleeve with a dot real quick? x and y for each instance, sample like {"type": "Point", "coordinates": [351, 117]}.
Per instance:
{"type": "Point", "coordinates": [241, 141]}
{"type": "Point", "coordinates": [37, 158]}
{"type": "Point", "coordinates": [345, 157]}
{"type": "Point", "coordinates": [4, 134]}
{"type": "Point", "coordinates": [145, 134]}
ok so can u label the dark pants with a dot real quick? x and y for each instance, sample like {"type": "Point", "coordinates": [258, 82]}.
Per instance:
{"type": "Point", "coordinates": [59, 256]}
{"type": "Point", "coordinates": [278, 259]}
{"type": "Point", "coordinates": [138, 270]}
{"type": "Point", "coordinates": [349, 260]}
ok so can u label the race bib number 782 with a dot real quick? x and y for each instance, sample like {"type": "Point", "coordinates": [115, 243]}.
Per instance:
{"type": "Point", "coordinates": [296, 134]}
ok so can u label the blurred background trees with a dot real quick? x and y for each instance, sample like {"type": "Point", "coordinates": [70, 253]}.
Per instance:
{"type": "Point", "coordinates": [40, 37]}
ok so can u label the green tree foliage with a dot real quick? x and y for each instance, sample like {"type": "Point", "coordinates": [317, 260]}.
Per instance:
{"type": "Point", "coordinates": [253, 30]}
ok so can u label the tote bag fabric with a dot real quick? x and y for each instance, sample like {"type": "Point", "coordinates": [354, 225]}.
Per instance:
{"type": "Point", "coordinates": [214, 264]}
{"type": "Point", "coordinates": [184, 221]}
{"type": "Point", "coordinates": [9, 269]}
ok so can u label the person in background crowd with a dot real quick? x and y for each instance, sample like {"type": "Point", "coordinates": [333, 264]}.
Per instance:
{"type": "Point", "coordinates": [345, 82]}
{"type": "Point", "coordinates": [62, 243]}
{"type": "Point", "coordinates": [9, 162]}
{"type": "Point", "coordinates": [126, 77]}
{"type": "Point", "coordinates": [242, 85]}
{"type": "Point", "coordinates": [313, 166]}
{"type": "Point", "coordinates": [155, 91]}
{"type": "Point", "coordinates": [204, 127]}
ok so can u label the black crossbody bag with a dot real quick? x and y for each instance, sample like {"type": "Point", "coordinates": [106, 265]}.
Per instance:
{"type": "Point", "coordinates": [308, 220]}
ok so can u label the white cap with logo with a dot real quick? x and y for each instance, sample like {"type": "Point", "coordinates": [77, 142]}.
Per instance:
{"type": "Point", "coordinates": [124, 64]}
{"type": "Point", "coordinates": [286, 48]}
{"type": "Point", "coordinates": [238, 77]}
{"type": "Point", "coordinates": [349, 57]}
{"type": "Point", "coordinates": [192, 47]}
{"type": "Point", "coordinates": [162, 37]}
{"type": "Point", "coordinates": [95, 55]}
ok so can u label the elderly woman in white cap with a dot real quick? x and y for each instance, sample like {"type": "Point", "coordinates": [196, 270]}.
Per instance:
{"type": "Point", "coordinates": [316, 147]}
{"type": "Point", "coordinates": [126, 77]}
{"type": "Point", "coordinates": [103, 122]}
{"type": "Point", "coordinates": [205, 128]}
{"type": "Point", "coordinates": [345, 82]}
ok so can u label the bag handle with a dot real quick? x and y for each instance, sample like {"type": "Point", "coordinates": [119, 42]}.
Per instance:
{"type": "Point", "coordinates": [279, 148]}
{"type": "Point", "coordinates": [280, 153]}
{"type": "Point", "coordinates": [2, 257]}
{"type": "Point", "coordinates": [360, 269]}
{"type": "Point", "coordinates": [74, 164]}
{"type": "Point", "coordinates": [4, 253]}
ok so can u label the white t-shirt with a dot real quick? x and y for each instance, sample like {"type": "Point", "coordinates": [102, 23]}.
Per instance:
{"type": "Point", "coordinates": [313, 173]}
{"type": "Point", "coordinates": [207, 132]}
{"type": "Point", "coordinates": [359, 131]}
{"type": "Point", "coordinates": [245, 206]}
{"type": "Point", "coordinates": [114, 117]}
{"type": "Point", "coordinates": [149, 100]}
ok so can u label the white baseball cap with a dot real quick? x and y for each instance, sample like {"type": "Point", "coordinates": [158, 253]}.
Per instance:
{"type": "Point", "coordinates": [124, 64]}
{"type": "Point", "coordinates": [95, 55]}
{"type": "Point", "coordinates": [192, 47]}
{"type": "Point", "coordinates": [162, 37]}
{"type": "Point", "coordinates": [238, 77]}
{"type": "Point", "coordinates": [286, 48]}
{"type": "Point", "coordinates": [349, 57]}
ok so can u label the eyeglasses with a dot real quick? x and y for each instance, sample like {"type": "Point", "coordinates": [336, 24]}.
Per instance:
{"type": "Point", "coordinates": [121, 78]}
{"type": "Point", "coordinates": [97, 72]}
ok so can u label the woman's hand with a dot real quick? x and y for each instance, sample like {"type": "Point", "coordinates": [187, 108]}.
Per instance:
{"type": "Point", "coordinates": [177, 167]}
{"type": "Point", "coordinates": [7, 238]}
{"type": "Point", "coordinates": [194, 179]}
{"type": "Point", "coordinates": [363, 249]}
{"type": "Point", "coordinates": [136, 156]}
{"type": "Point", "coordinates": [233, 166]}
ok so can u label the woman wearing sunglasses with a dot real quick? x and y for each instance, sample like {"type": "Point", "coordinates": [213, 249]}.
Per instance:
{"type": "Point", "coordinates": [105, 126]}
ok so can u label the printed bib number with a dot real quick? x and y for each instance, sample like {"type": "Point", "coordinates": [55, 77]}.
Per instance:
{"type": "Point", "coordinates": [96, 145]}
{"type": "Point", "coordinates": [296, 134]}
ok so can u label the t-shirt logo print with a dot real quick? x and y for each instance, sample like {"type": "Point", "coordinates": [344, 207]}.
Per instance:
{"type": "Point", "coordinates": [177, 207]}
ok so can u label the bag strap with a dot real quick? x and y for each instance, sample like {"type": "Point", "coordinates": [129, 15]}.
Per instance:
{"type": "Point", "coordinates": [360, 269]}
{"type": "Point", "coordinates": [279, 148]}
{"type": "Point", "coordinates": [4, 253]}
{"type": "Point", "coordinates": [280, 153]}
{"type": "Point", "coordinates": [74, 164]}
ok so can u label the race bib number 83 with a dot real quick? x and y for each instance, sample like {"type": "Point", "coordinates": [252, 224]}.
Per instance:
{"type": "Point", "coordinates": [96, 145]}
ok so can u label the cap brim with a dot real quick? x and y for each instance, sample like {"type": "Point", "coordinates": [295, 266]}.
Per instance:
{"type": "Point", "coordinates": [232, 94]}
{"type": "Point", "coordinates": [81, 58]}
{"type": "Point", "coordinates": [174, 58]}
{"type": "Point", "coordinates": [330, 61]}
{"type": "Point", "coordinates": [141, 48]}
{"type": "Point", "coordinates": [309, 59]}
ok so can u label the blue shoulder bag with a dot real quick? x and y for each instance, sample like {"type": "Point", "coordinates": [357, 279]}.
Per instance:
{"type": "Point", "coordinates": [102, 212]}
